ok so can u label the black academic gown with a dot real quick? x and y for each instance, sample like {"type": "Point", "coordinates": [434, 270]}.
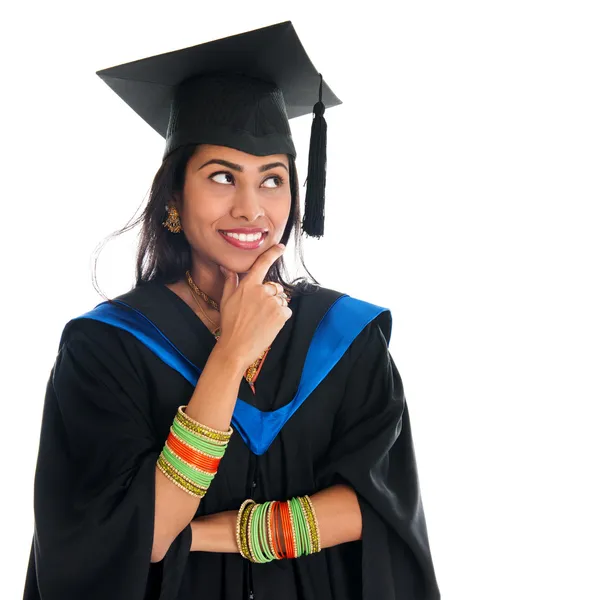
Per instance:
{"type": "Point", "coordinates": [110, 402]}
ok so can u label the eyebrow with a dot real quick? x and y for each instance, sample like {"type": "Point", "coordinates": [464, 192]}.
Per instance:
{"type": "Point", "coordinates": [239, 168]}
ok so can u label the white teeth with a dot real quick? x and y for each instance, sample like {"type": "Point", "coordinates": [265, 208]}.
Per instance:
{"type": "Point", "coordinates": [245, 237]}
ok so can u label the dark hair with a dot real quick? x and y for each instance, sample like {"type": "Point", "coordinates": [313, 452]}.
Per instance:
{"type": "Point", "coordinates": [165, 257]}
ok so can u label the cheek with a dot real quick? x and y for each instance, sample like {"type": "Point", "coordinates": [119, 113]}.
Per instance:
{"type": "Point", "coordinates": [200, 207]}
{"type": "Point", "coordinates": [280, 212]}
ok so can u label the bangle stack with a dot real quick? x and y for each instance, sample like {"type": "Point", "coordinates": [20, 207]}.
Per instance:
{"type": "Point", "coordinates": [192, 453]}
{"type": "Point", "coordinates": [277, 530]}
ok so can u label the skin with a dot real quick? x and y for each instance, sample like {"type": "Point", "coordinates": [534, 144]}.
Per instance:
{"type": "Point", "coordinates": [218, 197]}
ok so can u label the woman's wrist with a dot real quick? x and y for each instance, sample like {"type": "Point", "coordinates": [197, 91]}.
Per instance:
{"type": "Point", "coordinates": [228, 361]}
{"type": "Point", "coordinates": [277, 530]}
{"type": "Point", "coordinates": [215, 533]}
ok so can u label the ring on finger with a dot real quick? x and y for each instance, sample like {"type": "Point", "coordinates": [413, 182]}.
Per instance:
{"type": "Point", "coordinates": [283, 299]}
{"type": "Point", "coordinates": [278, 287]}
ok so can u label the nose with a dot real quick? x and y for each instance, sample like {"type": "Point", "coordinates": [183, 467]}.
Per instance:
{"type": "Point", "coordinates": [247, 206]}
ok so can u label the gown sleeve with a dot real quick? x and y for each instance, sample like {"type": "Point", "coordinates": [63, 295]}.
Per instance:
{"type": "Point", "coordinates": [94, 481]}
{"type": "Point", "coordinates": [372, 451]}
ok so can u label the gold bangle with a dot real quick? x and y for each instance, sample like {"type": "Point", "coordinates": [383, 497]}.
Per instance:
{"type": "Point", "coordinates": [174, 475]}
{"type": "Point", "coordinates": [308, 518]}
{"type": "Point", "coordinates": [224, 433]}
{"type": "Point", "coordinates": [246, 530]}
{"type": "Point", "coordinates": [174, 482]}
{"type": "Point", "coordinates": [240, 532]}
{"type": "Point", "coordinates": [204, 430]}
{"type": "Point", "coordinates": [305, 514]}
{"type": "Point", "coordinates": [174, 470]}
{"type": "Point", "coordinates": [200, 432]}
{"type": "Point", "coordinates": [172, 430]}
{"type": "Point", "coordinates": [315, 522]}
{"type": "Point", "coordinates": [183, 485]}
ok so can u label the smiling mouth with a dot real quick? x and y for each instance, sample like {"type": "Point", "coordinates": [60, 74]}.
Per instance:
{"type": "Point", "coordinates": [245, 241]}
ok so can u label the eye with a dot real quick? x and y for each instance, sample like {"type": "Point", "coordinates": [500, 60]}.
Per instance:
{"type": "Point", "coordinates": [225, 174]}
{"type": "Point", "coordinates": [279, 183]}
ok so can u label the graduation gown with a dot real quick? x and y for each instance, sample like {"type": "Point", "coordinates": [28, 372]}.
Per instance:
{"type": "Point", "coordinates": [109, 404]}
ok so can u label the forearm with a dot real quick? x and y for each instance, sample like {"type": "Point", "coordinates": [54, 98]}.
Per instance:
{"type": "Point", "coordinates": [337, 510]}
{"type": "Point", "coordinates": [211, 404]}
{"type": "Point", "coordinates": [338, 514]}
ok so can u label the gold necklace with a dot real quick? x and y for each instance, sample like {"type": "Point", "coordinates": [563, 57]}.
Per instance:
{"type": "Point", "coordinates": [217, 331]}
{"type": "Point", "coordinates": [200, 293]}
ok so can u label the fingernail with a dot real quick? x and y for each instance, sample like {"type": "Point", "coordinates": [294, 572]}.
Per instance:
{"type": "Point", "coordinates": [282, 246]}
{"type": "Point", "coordinates": [223, 270]}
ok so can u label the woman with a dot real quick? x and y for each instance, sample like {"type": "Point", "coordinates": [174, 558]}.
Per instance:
{"type": "Point", "coordinates": [143, 490]}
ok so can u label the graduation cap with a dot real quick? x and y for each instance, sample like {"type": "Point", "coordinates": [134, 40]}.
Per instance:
{"type": "Point", "coordinates": [238, 92]}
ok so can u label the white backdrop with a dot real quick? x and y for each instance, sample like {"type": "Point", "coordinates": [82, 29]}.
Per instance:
{"type": "Point", "coordinates": [463, 194]}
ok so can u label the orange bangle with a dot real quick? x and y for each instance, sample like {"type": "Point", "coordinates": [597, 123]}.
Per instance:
{"type": "Point", "coordinates": [191, 456]}
{"type": "Point", "coordinates": [288, 536]}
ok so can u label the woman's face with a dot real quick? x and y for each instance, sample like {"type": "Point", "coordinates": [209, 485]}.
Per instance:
{"type": "Point", "coordinates": [230, 192]}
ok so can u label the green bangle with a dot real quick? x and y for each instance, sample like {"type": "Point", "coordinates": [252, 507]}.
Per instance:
{"type": "Point", "coordinates": [296, 535]}
{"type": "Point", "coordinates": [198, 477]}
{"type": "Point", "coordinates": [197, 443]}
{"type": "Point", "coordinates": [251, 511]}
{"type": "Point", "coordinates": [178, 479]}
{"type": "Point", "coordinates": [296, 527]}
{"type": "Point", "coordinates": [300, 527]}
{"type": "Point", "coordinates": [257, 550]}
{"type": "Point", "coordinates": [262, 537]}
{"type": "Point", "coordinates": [264, 532]}
{"type": "Point", "coordinates": [253, 532]}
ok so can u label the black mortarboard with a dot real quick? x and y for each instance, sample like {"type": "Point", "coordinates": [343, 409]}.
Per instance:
{"type": "Point", "coordinates": [238, 92]}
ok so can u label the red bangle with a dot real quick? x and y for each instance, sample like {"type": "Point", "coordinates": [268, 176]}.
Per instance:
{"type": "Point", "coordinates": [275, 529]}
{"type": "Point", "coordinates": [191, 456]}
{"type": "Point", "coordinates": [288, 536]}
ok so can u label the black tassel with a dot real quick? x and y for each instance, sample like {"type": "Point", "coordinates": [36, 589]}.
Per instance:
{"type": "Point", "coordinates": [313, 223]}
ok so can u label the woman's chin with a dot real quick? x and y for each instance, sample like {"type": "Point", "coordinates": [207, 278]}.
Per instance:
{"type": "Point", "coordinates": [241, 264]}
{"type": "Point", "coordinates": [241, 267]}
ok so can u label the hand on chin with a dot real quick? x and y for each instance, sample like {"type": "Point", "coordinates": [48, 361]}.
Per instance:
{"type": "Point", "coordinates": [242, 265]}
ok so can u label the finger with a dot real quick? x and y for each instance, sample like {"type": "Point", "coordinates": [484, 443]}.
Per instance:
{"type": "Point", "coordinates": [230, 285]}
{"type": "Point", "coordinates": [274, 288]}
{"type": "Point", "coordinates": [282, 301]}
{"type": "Point", "coordinates": [263, 263]}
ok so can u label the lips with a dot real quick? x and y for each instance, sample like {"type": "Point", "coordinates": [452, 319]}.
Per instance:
{"type": "Point", "coordinates": [245, 230]}
{"type": "Point", "coordinates": [253, 245]}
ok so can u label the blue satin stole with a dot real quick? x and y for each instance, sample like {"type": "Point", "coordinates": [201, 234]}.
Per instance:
{"type": "Point", "coordinates": [338, 328]}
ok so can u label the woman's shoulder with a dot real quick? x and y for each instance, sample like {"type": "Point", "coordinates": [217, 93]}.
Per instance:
{"type": "Point", "coordinates": [101, 348]}
{"type": "Point", "coordinates": [84, 330]}
{"type": "Point", "coordinates": [322, 299]}
{"type": "Point", "coordinates": [364, 325]}
{"type": "Point", "coordinates": [317, 293]}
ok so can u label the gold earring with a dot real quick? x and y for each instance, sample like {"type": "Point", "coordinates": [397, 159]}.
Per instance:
{"type": "Point", "coordinates": [172, 223]}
